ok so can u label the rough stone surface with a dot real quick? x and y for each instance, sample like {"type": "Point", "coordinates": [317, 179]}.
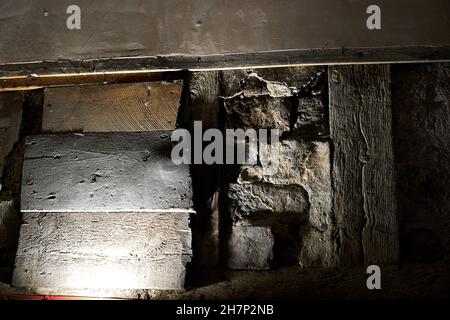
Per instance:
{"type": "Point", "coordinates": [257, 112]}
{"type": "Point", "coordinates": [104, 172]}
{"type": "Point", "coordinates": [250, 248]}
{"type": "Point", "coordinates": [103, 250]}
{"type": "Point", "coordinates": [265, 202]}
{"type": "Point", "coordinates": [307, 165]}
{"type": "Point", "coordinates": [312, 118]}
{"type": "Point", "coordinates": [233, 81]}
{"type": "Point", "coordinates": [295, 199]}
{"type": "Point", "coordinates": [288, 187]}
{"type": "Point", "coordinates": [260, 104]}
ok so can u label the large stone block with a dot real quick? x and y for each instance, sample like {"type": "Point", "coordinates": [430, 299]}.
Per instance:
{"type": "Point", "coordinates": [107, 172]}
{"type": "Point", "coordinates": [250, 248]}
{"type": "Point", "coordinates": [103, 250]}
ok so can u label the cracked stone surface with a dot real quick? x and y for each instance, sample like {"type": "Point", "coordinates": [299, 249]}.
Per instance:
{"type": "Point", "coordinates": [260, 104]}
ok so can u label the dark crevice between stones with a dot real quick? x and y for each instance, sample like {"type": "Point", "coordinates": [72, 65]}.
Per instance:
{"type": "Point", "coordinates": [32, 111]}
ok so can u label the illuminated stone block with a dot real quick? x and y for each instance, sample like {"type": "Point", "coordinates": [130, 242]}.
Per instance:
{"type": "Point", "coordinates": [103, 250]}
{"type": "Point", "coordinates": [103, 211]}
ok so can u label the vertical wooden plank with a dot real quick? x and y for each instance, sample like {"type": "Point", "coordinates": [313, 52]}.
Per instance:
{"type": "Point", "coordinates": [200, 102]}
{"type": "Point", "coordinates": [363, 164]}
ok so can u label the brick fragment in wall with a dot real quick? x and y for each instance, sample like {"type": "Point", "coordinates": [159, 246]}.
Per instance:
{"type": "Point", "coordinates": [250, 248]}
{"type": "Point", "coordinates": [257, 112]}
{"type": "Point", "coordinates": [260, 104]}
{"type": "Point", "coordinates": [293, 77]}
{"type": "Point", "coordinates": [311, 119]}
{"type": "Point", "coordinates": [255, 85]}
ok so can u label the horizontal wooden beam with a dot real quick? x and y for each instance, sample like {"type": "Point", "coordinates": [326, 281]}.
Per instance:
{"type": "Point", "coordinates": [24, 76]}
{"type": "Point", "coordinates": [199, 34]}
{"type": "Point", "coordinates": [51, 78]}
{"type": "Point", "coordinates": [132, 107]}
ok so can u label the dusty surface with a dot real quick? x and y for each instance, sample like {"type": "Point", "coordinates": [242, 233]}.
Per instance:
{"type": "Point", "coordinates": [104, 172]}
{"type": "Point", "coordinates": [103, 250]}
{"type": "Point", "coordinates": [407, 282]}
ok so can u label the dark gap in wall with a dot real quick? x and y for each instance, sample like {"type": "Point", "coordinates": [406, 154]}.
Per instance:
{"type": "Point", "coordinates": [421, 111]}
{"type": "Point", "coordinates": [32, 108]}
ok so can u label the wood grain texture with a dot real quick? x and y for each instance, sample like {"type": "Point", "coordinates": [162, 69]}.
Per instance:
{"type": "Point", "coordinates": [112, 108]}
{"type": "Point", "coordinates": [363, 164]}
{"type": "Point", "coordinates": [103, 250]}
{"type": "Point", "coordinates": [104, 172]}
{"type": "Point", "coordinates": [200, 102]}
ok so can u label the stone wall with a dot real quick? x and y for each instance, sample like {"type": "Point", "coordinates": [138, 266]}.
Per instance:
{"type": "Point", "coordinates": [282, 216]}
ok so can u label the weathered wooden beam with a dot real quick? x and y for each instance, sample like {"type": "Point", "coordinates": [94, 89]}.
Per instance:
{"type": "Point", "coordinates": [148, 106]}
{"type": "Point", "coordinates": [200, 102]}
{"type": "Point", "coordinates": [53, 73]}
{"type": "Point", "coordinates": [104, 172]}
{"type": "Point", "coordinates": [176, 34]}
{"type": "Point", "coordinates": [103, 250]}
{"type": "Point", "coordinates": [363, 164]}
{"type": "Point", "coordinates": [50, 77]}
